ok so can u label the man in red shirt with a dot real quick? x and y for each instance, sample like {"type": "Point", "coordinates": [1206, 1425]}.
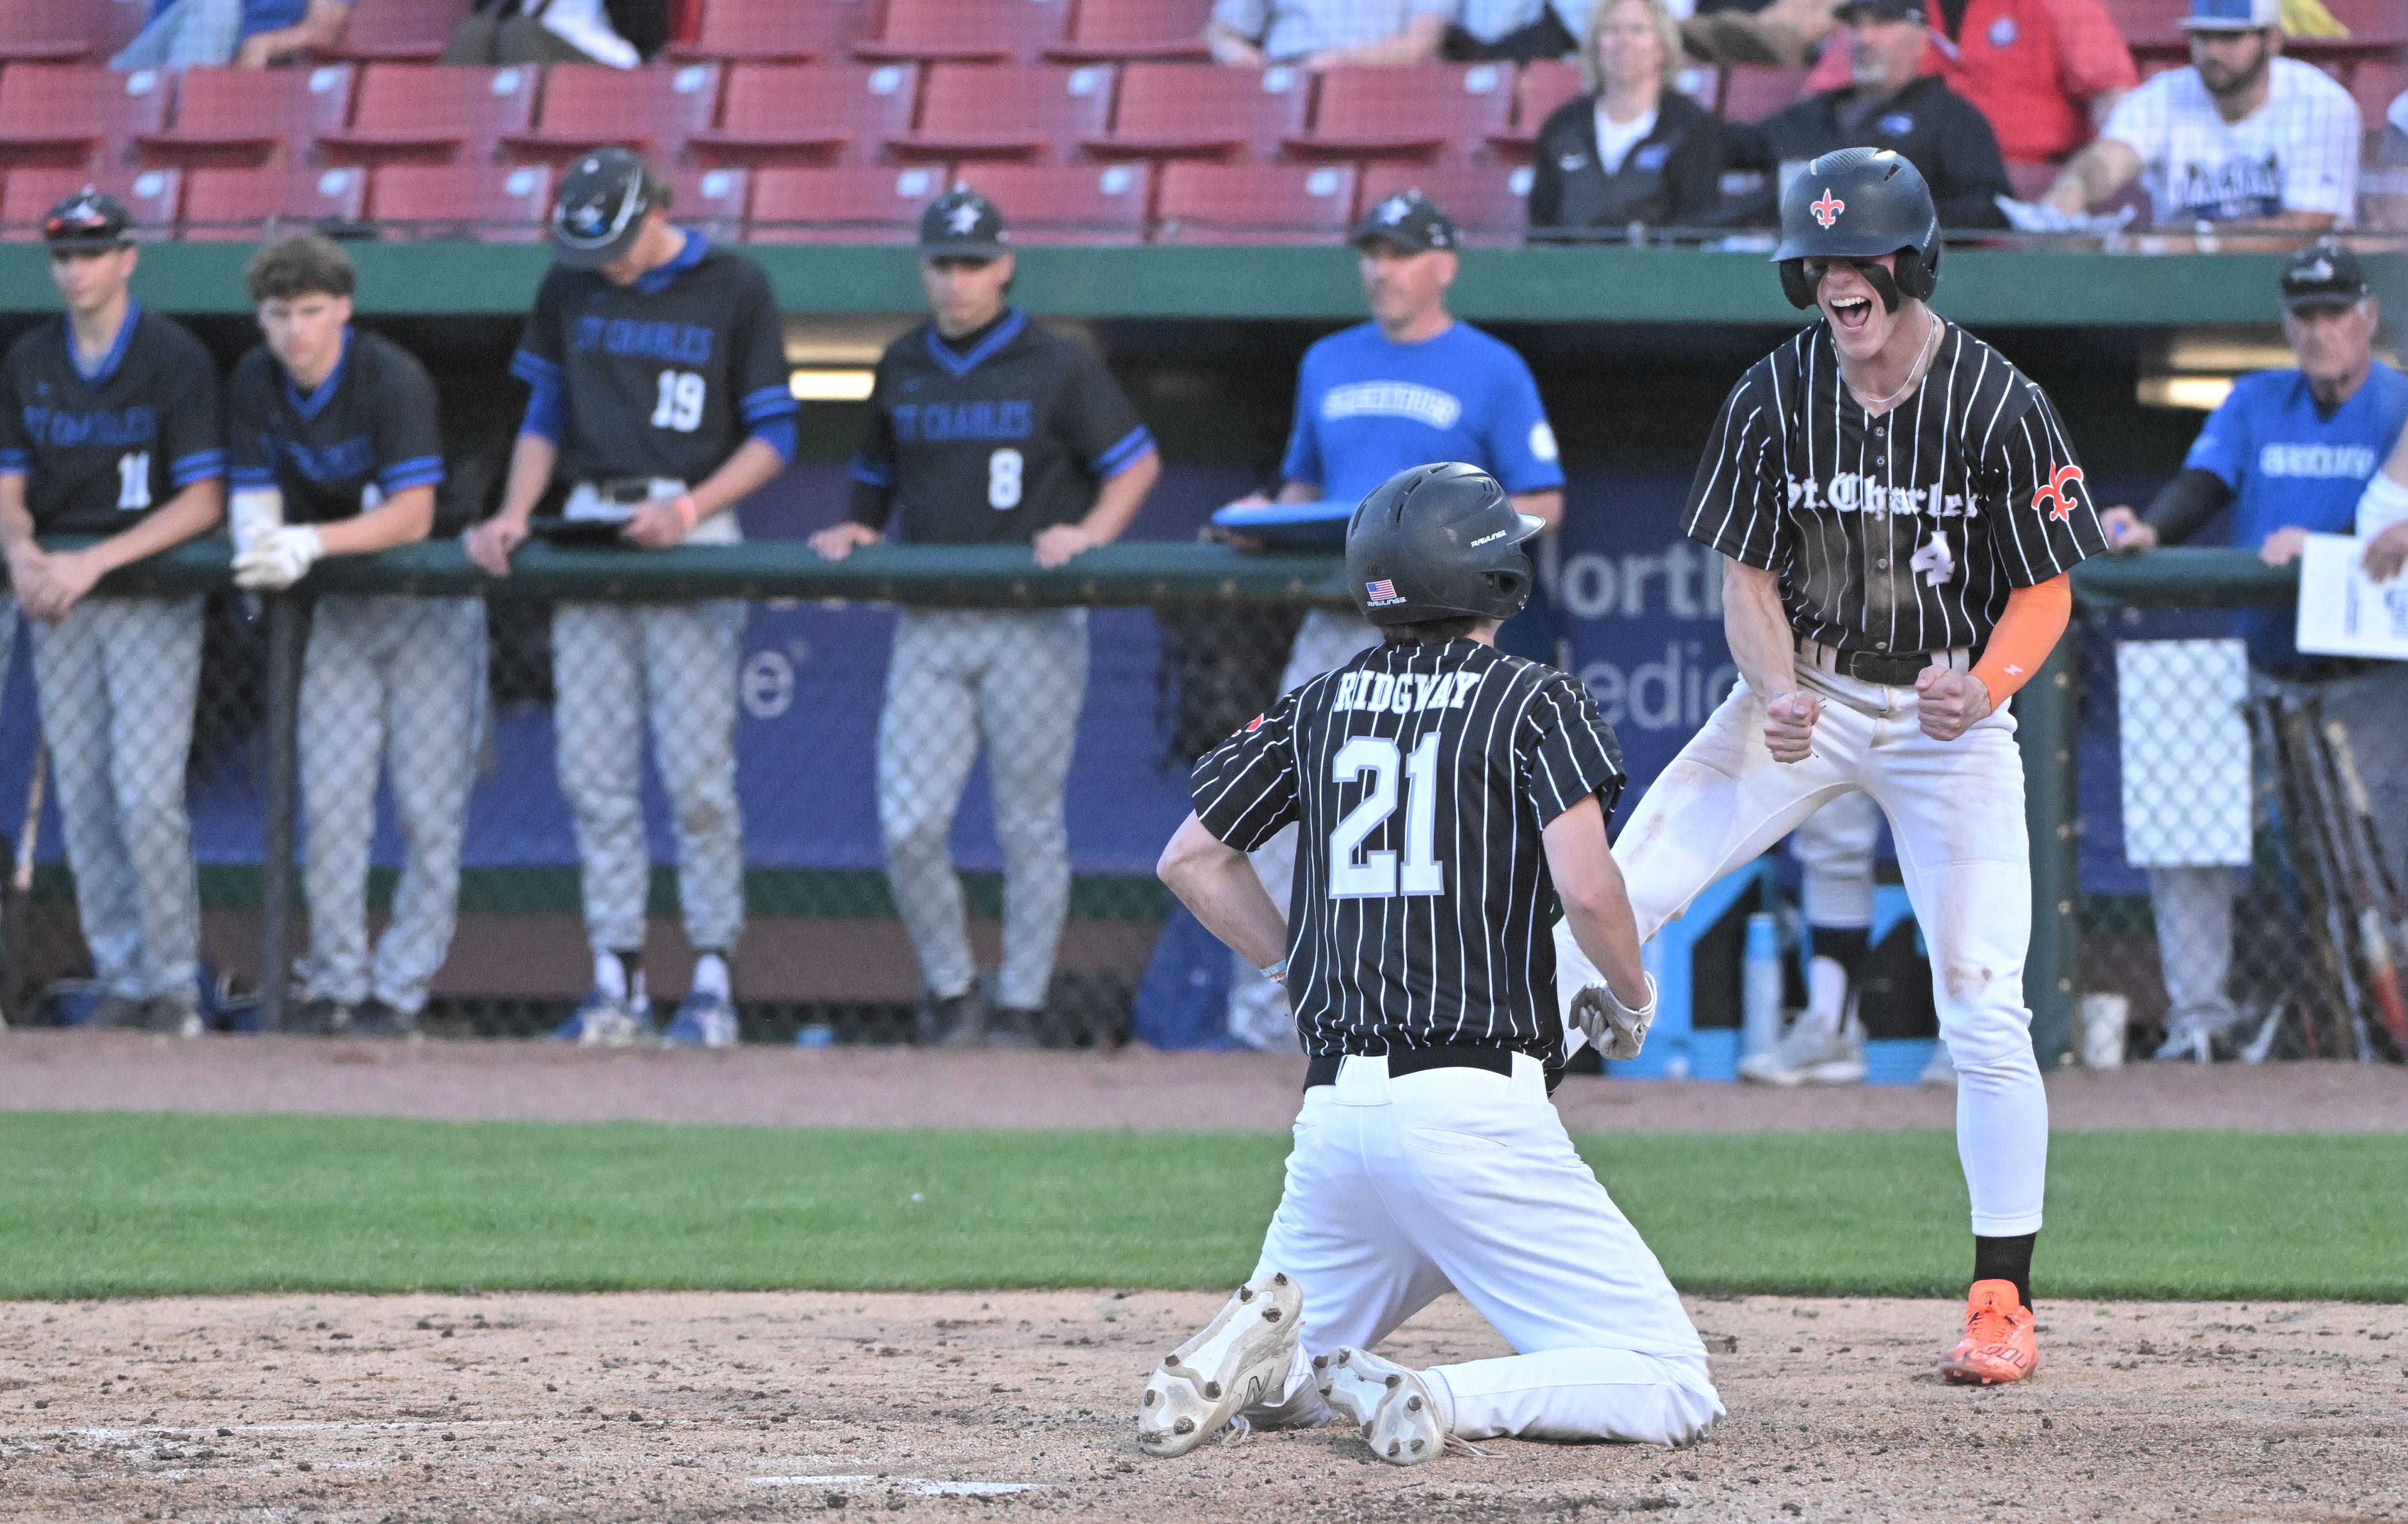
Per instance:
{"type": "Point", "coordinates": [2044, 72]}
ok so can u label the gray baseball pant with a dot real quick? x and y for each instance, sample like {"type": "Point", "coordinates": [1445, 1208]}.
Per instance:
{"type": "Point", "coordinates": [1014, 680]}
{"type": "Point", "coordinates": [117, 679]}
{"type": "Point", "coordinates": [2194, 905]}
{"type": "Point", "coordinates": [396, 683]}
{"type": "Point", "coordinates": [614, 667]}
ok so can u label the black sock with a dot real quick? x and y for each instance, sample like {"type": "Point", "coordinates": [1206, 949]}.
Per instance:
{"type": "Point", "coordinates": [631, 967]}
{"type": "Point", "coordinates": [1845, 946]}
{"type": "Point", "coordinates": [2006, 1259]}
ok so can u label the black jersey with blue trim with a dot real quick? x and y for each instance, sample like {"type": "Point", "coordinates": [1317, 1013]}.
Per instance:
{"type": "Point", "coordinates": [665, 377]}
{"type": "Point", "coordinates": [101, 450]}
{"type": "Point", "coordinates": [993, 439]}
{"type": "Point", "coordinates": [369, 424]}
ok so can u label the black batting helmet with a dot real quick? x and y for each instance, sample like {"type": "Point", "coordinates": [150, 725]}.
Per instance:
{"type": "Point", "coordinates": [1859, 203]}
{"type": "Point", "coordinates": [88, 222]}
{"type": "Point", "coordinates": [598, 211]}
{"type": "Point", "coordinates": [1439, 543]}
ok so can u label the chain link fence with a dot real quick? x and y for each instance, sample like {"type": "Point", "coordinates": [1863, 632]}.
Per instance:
{"type": "Point", "coordinates": [863, 799]}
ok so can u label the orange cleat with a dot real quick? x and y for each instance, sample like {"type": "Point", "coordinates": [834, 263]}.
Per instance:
{"type": "Point", "coordinates": [1998, 1344]}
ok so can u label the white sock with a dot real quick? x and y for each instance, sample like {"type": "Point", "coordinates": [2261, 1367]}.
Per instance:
{"type": "Point", "coordinates": [1827, 996]}
{"type": "Point", "coordinates": [610, 975]}
{"type": "Point", "coordinates": [1442, 1395]}
{"type": "Point", "coordinates": [711, 975]}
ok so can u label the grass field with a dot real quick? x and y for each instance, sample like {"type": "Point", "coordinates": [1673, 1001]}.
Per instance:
{"type": "Point", "coordinates": [123, 1204]}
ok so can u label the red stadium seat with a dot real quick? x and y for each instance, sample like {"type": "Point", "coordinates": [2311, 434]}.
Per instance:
{"type": "Point", "coordinates": [1255, 203]}
{"type": "Point", "coordinates": [1489, 202]}
{"type": "Point", "coordinates": [53, 31]}
{"type": "Point", "coordinates": [713, 200]}
{"type": "Point", "coordinates": [498, 203]}
{"type": "Point", "coordinates": [784, 114]}
{"type": "Point", "coordinates": [2373, 22]}
{"type": "Point", "coordinates": [586, 105]}
{"type": "Point", "coordinates": [1053, 203]}
{"type": "Point", "coordinates": [968, 31]}
{"type": "Point", "coordinates": [1427, 112]}
{"type": "Point", "coordinates": [1751, 92]}
{"type": "Point", "coordinates": [779, 31]}
{"type": "Point", "coordinates": [68, 117]}
{"type": "Point", "coordinates": [251, 118]}
{"type": "Point", "coordinates": [408, 114]}
{"type": "Point", "coordinates": [1105, 30]}
{"type": "Point", "coordinates": [152, 196]}
{"type": "Point", "coordinates": [238, 204]}
{"type": "Point", "coordinates": [842, 206]}
{"type": "Point", "coordinates": [1189, 111]}
{"type": "Point", "coordinates": [1038, 115]}
{"type": "Point", "coordinates": [400, 31]}
{"type": "Point", "coordinates": [1547, 84]}
{"type": "Point", "coordinates": [2376, 86]}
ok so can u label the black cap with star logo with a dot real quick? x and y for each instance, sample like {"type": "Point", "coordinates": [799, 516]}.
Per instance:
{"type": "Point", "coordinates": [963, 225]}
{"type": "Point", "coordinates": [1409, 219]}
{"type": "Point", "coordinates": [87, 221]}
{"type": "Point", "coordinates": [599, 213]}
{"type": "Point", "coordinates": [2324, 274]}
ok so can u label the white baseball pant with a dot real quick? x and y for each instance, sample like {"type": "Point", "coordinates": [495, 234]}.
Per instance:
{"type": "Point", "coordinates": [118, 678]}
{"type": "Point", "coordinates": [1400, 1188]}
{"type": "Point", "coordinates": [1956, 813]}
{"type": "Point", "coordinates": [396, 684]}
{"type": "Point", "coordinates": [1258, 1010]}
{"type": "Point", "coordinates": [614, 667]}
{"type": "Point", "coordinates": [1014, 680]}
{"type": "Point", "coordinates": [1834, 848]}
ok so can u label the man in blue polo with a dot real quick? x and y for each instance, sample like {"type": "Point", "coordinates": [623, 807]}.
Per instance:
{"type": "Point", "coordinates": [1411, 387]}
{"type": "Point", "coordinates": [2290, 451]}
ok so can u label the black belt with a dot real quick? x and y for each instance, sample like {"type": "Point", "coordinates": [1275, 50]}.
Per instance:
{"type": "Point", "coordinates": [1897, 671]}
{"type": "Point", "coordinates": [624, 490]}
{"type": "Point", "coordinates": [1324, 1069]}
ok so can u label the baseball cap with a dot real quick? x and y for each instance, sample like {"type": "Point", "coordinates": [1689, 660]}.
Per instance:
{"type": "Point", "coordinates": [88, 222]}
{"type": "Point", "coordinates": [1411, 221]}
{"type": "Point", "coordinates": [963, 225]}
{"type": "Point", "coordinates": [2232, 15]}
{"type": "Point", "coordinates": [2324, 274]}
{"type": "Point", "coordinates": [599, 213]}
{"type": "Point", "coordinates": [1895, 10]}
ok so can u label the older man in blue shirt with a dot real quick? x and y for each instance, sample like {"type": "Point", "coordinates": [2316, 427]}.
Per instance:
{"type": "Point", "coordinates": [2290, 451]}
{"type": "Point", "coordinates": [248, 34]}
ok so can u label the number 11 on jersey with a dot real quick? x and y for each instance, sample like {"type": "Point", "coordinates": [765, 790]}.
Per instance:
{"type": "Point", "coordinates": [1376, 875]}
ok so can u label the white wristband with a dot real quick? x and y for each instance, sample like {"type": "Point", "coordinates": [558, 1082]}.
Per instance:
{"type": "Point", "coordinates": [2384, 504]}
{"type": "Point", "coordinates": [1275, 973]}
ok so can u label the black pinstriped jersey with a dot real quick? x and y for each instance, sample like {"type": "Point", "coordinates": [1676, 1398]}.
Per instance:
{"type": "Point", "coordinates": [1902, 533]}
{"type": "Point", "coordinates": [1421, 778]}
{"type": "Point", "coordinates": [101, 450]}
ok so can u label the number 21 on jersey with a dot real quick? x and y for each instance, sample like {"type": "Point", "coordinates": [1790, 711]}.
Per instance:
{"type": "Point", "coordinates": [1376, 876]}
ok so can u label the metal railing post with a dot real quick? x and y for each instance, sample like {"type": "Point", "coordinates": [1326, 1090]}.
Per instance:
{"type": "Point", "coordinates": [2044, 728]}
{"type": "Point", "coordinates": [287, 626]}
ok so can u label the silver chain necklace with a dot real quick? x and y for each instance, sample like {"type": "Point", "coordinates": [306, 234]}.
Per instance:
{"type": "Point", "coordinates": [1914, 371]}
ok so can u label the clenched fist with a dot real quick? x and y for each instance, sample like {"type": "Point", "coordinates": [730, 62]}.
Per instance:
{"type": "Point", "coordinates": [1789, 726]}
{"type": "Point", "coordinates": [1952, 703]}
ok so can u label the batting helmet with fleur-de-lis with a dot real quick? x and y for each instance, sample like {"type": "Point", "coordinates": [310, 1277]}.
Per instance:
{"type": "Point", "coordinates": [1859, 203]}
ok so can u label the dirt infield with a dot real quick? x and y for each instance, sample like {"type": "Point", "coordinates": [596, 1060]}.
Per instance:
{"type": "Point", "coordinates": [980, 1406]}
{"type": "Point", "coordinates": [1137, 1089]}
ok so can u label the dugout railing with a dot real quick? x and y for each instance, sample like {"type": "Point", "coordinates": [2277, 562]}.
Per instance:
{"type": "Point", "coordinates": [1188, 641]}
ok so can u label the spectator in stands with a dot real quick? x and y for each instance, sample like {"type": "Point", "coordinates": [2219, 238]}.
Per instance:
{"type": "Point", "coordinates": [2290, 451]}
{"type": "Point", "coordinates": [1889, 106]}
{"type": "Point", "coordinates": [1633, 149]}
{"type": "Point", "coordinates": [1327, 33]}
{"type": "Point", "coordinates": [248, 34]}
{"type": "Point", "coordinates": [1781, 32]}
{"type": "Point", "coordinates": [617, 34]}
{"type": "Point", "coordinates": [2242, 137]}
{"type": "Point", "coordinates": [1515, 30]}
{"type": "Point", "coordinates": [2043, 72]}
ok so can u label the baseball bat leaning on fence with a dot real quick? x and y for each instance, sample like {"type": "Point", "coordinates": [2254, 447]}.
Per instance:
{"type": "Point", "coordinates": [16, 900]}
{"type": "Point", "coordinates": [2285, 810]}
{"type": "Point", "coordinates": [2366, 901]}
{"type": "Point", "coordinates": [2361, 806]}
{"type": "Point", "coordinates": [2315, 823]}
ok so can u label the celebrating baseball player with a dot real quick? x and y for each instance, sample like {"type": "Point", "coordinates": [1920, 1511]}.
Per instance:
{"type": "Point", "coordinates": [1446, 793]}
{"type": "Point", "coordinates": [1898, 508]}
{"type": "Point", "coordinates": [658, 385]}
{"type": "Point", "coordinates": [108, 426]}
{"type": "Point", "coordinates": [985, 428]}
{"type": "Point", "coordinates": [333, 450]}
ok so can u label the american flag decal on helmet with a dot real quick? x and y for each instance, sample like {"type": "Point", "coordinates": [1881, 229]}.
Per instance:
{"type": "Point", "coordinates": [1382, 593]}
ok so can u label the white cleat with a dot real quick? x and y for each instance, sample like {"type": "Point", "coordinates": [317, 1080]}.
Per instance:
{"type": "Point", "coordinates": [1239, 1361]}
{"type": "Point", "coordinates": [1942, 1070]}
{"type": "Point", "coordinates": [1809, 1053]}
{"type": "Point", "coordinates": [1389, 1404]}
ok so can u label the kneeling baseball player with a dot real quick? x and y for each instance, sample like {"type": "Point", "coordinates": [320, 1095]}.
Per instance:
{"type": "Point", "coordinates": [1899, 510]}
{"type": "Point", "coordinates": [1445, 794]}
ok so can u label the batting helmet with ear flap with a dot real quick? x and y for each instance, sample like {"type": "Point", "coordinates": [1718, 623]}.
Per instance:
{"type": "Point", "coordinates": [1439, 543]}
{"type": "Point", "coordinates": [1859, 203]}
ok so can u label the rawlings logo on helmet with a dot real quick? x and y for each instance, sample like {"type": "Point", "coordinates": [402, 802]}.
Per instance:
{"type": "Point", "coordinates": [1826, 210]}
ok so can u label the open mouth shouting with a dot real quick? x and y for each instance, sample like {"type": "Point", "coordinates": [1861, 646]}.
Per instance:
{"type": "Point", "coordinates": [1850, 314]}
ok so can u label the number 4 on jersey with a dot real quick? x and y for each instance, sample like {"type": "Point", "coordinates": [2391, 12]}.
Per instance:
{"type": "Point", "coordinates": [1376, 877]}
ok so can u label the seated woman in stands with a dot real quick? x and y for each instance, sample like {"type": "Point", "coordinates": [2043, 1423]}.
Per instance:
{"type": "Point", "coordinates": [1633, 149]}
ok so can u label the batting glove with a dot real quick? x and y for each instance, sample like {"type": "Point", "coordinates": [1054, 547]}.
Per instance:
{"type": "Point", "coordinates": [279, 561]}
{"type": "Point", "coordinates": [1612, 1027]}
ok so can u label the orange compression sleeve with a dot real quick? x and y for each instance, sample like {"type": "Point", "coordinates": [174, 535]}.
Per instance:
{"type": "Point", "coordinates": [2028, 631]}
